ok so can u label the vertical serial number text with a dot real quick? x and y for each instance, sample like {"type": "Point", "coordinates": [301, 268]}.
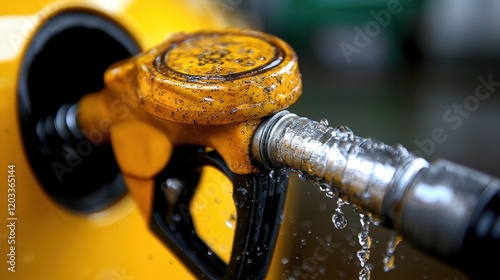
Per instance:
{"type": "Point", "coordinates": [11, 217]}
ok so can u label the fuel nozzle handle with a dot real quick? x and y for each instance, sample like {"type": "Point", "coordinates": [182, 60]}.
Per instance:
{"type": "Point", "coordinates": [449, 211]}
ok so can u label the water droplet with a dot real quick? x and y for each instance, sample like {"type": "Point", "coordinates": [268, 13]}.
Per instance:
{"type": "Point", "coordinates": [249, 261]}
{"type": "Point", "coordinates": [240, 197]}
{"type": "Point", "coordinates": [249, 63]}
{"type": "Point", "coordinates": [303, 241]}
{"type": "Point", "coordinates": [402, 151]}
{"type": "Point", "coordinates": [389, 258]}
{"type": "Point", "coordinates": [177, 217]}
{"type": "Point", "coordinates": [284, 260]}
{"type": "Point", "coordinates": [375, 220]}
{"type": "Point", "coordinates": [302, 176]}
{"type": "Point", "coordinates": [339, 219]}
{"type": "Point", "coordinates": [210, 252]}
{"type": "Point", "coordinates": [364, 273]}
{"type": "Point", "coordinates": [330, 194]}
{"type": "Point", "coordinates": [229, 224]}
{"type": "Point", "coordinates": [344, 133]}
{"type": "Point", "coordinates": [208, 99]}
{"type": "Point", "coordinates": [363, 256]}
{"type": "Point", "coordinates": [173, 184]}
{"type": "Point", "coordinates": [281, 218]}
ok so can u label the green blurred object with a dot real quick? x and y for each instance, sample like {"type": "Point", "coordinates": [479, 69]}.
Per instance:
{"type": "Point", "coordinates": [324, 25]}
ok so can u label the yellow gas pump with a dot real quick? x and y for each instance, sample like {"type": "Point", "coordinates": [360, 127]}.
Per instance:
{"type": "Point", "coordinates": [84, 226]}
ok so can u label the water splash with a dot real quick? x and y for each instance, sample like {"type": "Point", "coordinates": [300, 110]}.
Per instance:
{"type": "Point", "coordinates": [339, 219]}
{"type": "Point", "coordinates": [389, 259]}
{"type": "Point", "coordinates": [325, 188]}
{"type": "Point", "coordinates": [324, 122]}
{"type": "Point", "coordinates": [344, 133]}
{"type": "Point", "coordinates": [365, 241]}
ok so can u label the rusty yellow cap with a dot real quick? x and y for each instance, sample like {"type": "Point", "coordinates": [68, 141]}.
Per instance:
{"type": "Point", "coordinates": [218, 77]}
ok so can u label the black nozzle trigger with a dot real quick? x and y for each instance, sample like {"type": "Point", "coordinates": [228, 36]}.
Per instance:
{"type": "Point", "coordinates": [259, 200]}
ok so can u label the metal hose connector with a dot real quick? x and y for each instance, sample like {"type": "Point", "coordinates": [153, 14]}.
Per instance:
{"type": "Point", "coordinates": [54, 130]}
{"type": "Point", "coordinates": [365, 172]}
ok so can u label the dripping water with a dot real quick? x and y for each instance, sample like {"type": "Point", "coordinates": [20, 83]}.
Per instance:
{"type": "Point", "coordinates": [366, 243]}
{"type": "Point", "coordinates": [389, 259]}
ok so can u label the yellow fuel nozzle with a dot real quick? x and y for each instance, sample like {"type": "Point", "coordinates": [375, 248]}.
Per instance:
{"type": "Point", "coordinates": [207, 88]}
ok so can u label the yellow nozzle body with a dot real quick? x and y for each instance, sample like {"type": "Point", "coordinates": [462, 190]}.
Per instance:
{"type": "Point", "coordinates": [208, 88]}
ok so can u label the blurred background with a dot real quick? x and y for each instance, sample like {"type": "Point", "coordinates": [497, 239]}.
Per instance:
{"type": "Point", "coordinates": [421, 73]}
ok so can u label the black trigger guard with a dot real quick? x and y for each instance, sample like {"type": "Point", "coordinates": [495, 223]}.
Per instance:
{"type": "Point", "coordinates": [259, 200]}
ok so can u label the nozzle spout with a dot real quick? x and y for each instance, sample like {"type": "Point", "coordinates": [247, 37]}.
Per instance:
{"type": "Point", "coordinates": [449, 211]}
{"type": "Point", "coordinates": [366, 172]}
